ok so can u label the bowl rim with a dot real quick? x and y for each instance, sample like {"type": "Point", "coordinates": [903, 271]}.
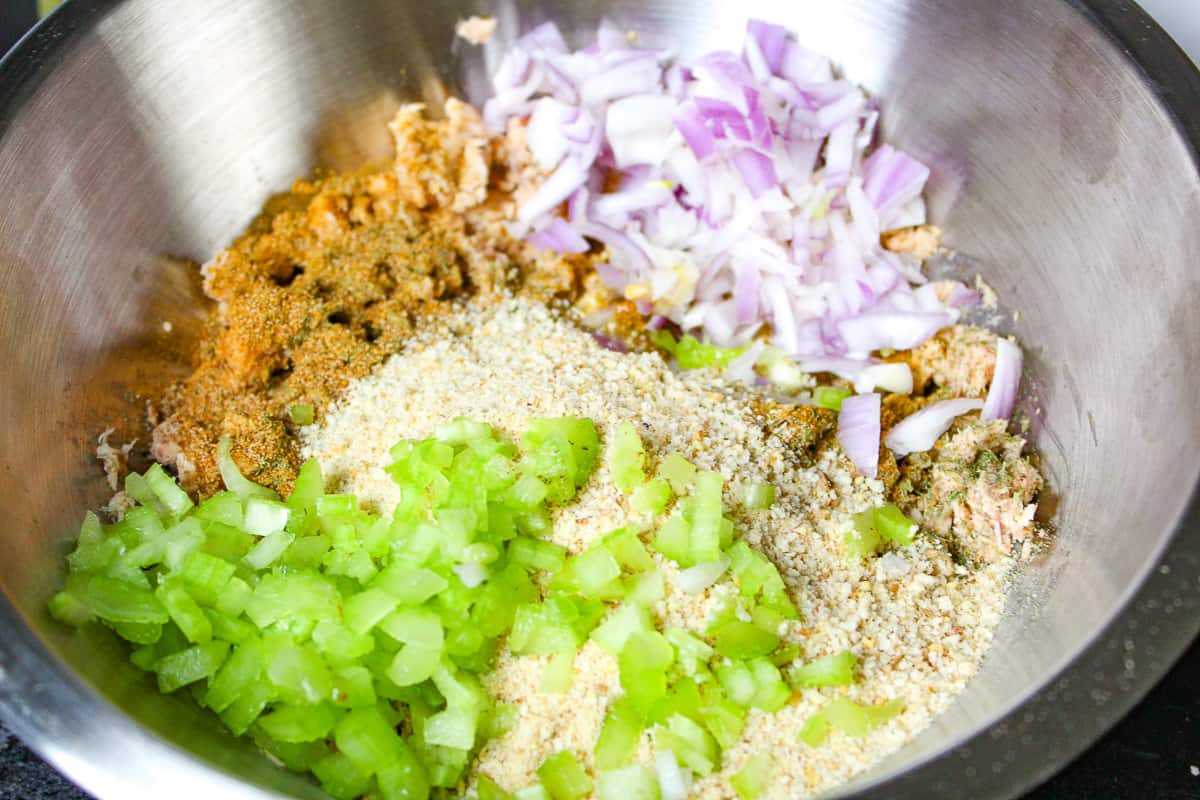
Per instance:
{"type": "Point", "coordinates": [1064, 707]}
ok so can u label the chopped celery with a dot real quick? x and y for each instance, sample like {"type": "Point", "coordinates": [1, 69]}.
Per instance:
{"type": "Point", "coordinates": [264, 516]}
{"type": "Point", "coordinates": [556, 625]}
{"type": "Point", "coordinates": [771, 693]}
{"type": "Point", "coordinates": [248, 706]}
{"type": "Point", "coordinates": [753, 778]}
{"type": "Point", "coordinates": [173, 499]}
{"type": "Point", "coordinates": [139, 632]}
{"type": "Point", "coordinates": [339, 644]}
{"type": "Point", "coordinates": [340, 777]}
{"type": "Point", "coordinates": [406, 779]}
{"type": "Point", "coordinates": [893, 525]}
{"type": "Point", "coordinates": [853, 719]}
{"type": "Point", "coordinates": [651, 497]}
{"type": "Point", "coordinates": [268, 550]}
{"type": "Point", "coordinates": [863, 540]}
{"type": "Point", "coordinates": [190, 665]}
{"type": "Point", "coordinates": [690, 743]}
{"type": "Point", "coordinates": [224, 507]}
{"type": "Point", "coordinates": [758, 496]}
{"type": "Point", "coordinates": [691, 353]}
{"type": "Point", "coordinates": [234, 480]}
{"type": "Point", "coordinates": [298, 723]}
{"type": "Point", "coordinates": [308, 488]}
{"type": "Point", "coordinates": [724, 719]}
{"type": "Point", "coordinates": [831, 397]}
{"type": "Point", "coordinates": [620, 625]}
{"type": "Point", "coordinates": [558, 673]}
{"type": "Point", "coordinates": [856, 720]}
{"type": "Point", "coordinates": [563, 777]}
{"type": "Point", "coordinates": [536, 554]}
{"type": "Point", "coordinates": [630, 783]}
{"type": "Point", "coordinates": [628, 549]}
{"type": "Point", "coordinates": [618, 737]}
{"type": "Point", "coordinates": [626, 457]}
{"type": "Point", "coordinates": [414, 664]}
{"type": "Point", "coordinates": [678, 472]}
{"type": "Point", "coordinates": [69, 610]}
{"type": "Point", "coordinates": [365, 610]}
{"type": "Point", "coordinates": [302, 414]}
{"type": "Point", "coordinates": [238, 673]}
{"type": "Point", "coordinates": [207, 576]}
{"type": "Point", "coordinates": [588, 574]}
{"type": "Point", "coordinates": [367, 739]}
{"type": "Point", "coordinates": [114, 600]}
{"type": "Point", "coordinates": [815, 730]}
{"type": "Point", "coordinates": [526, 493]}
{"type": "Point", "coordinates": [421, 627]}
{"type": "Point", "coordinates": [534, 792]}
{"type": "Point", "coordinates": [738, 681]}
{"type": "Point", "coordinates": [487, 789]}
{"type": "Point", "coordinates": [690, 652]}
{"type": "Point", "coordinates": [353, 688]}
{"type": "Point", "coordinates": [454, 727]}
{"type": "Point", "coordinates": [184, 611]}
{"type": "Point", "coordinates": [643, 666]}
{"type": "Point", "coordinates": [834, 670]}
{"type": "Point", "coordinates": [681, 699]}
{"type": "Point", "coordinates": [646, 589]}
{"type": "Point", "coordinates": [876, 525]}
{"type": "Point", "coordinates": [674, 538]}
{"type": "Point", "coordinates": [740, 640]}
{"type": "Point", "coordinates": [299, 673]}
{"type": "Point", "coordinates": [409, 585]}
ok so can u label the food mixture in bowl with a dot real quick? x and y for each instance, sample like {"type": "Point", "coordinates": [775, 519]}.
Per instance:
{"type": "Point", "coordinates": [609, 442]}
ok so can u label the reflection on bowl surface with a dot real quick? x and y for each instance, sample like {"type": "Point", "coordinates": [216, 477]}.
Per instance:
{"type": "Point", "coordinates": [143, 137]}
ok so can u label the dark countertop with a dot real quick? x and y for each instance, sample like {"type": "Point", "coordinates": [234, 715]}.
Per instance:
{"type": "Point", "coordinates": [1154, 754]}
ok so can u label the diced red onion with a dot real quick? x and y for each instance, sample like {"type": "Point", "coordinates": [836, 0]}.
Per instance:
{"type": "Point", "coordinates": [858, 431]}
{"type": "Point", "coordinates": [846, 368]}
{"type": "Point", "coordinates": [674, 782]}
{"type": "Point", "coordinates": [704, 183]}
{"type": "Point", "coordinates": [745, 295]}
{"type": "Point", "coordinates": [918, 432]}
{"type": "Point", "coordinates": [695, 580]}
{"type": "Point", "coordinates": [609, 343]}
{"type": "Point", "coordinates": [1006, 379]}
{"type": "Point", "coordinates": [894, 330]}
{"type": "Point", "coordinates": [543, 134]}
{"type": "Point", "coordinates": [892, 178]}
{"type": "Point", "coordinates": [741, 369]}
{"type": "Point", "coordinates": [558, 235]}
{"type": "Point", "coordinates": [770, 39]}
{"type": "Point", "coordinates": [544, 37]}
{"type": "Point", "coordinates": [569, 176]}
{"type": "Point", "coordinates": [757, 171]}
{"type": "Point", "coordinates": [697, 135]}
{"type": "Point", "coordinates": [638, 127]}
{"type": "Point", "coordinates": [893, 377]}
{"type": "Point", "coordinates": [619, 243]}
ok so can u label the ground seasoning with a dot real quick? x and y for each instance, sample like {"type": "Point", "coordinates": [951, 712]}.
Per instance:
{"type": "Point", "coordinates": [329, 281]}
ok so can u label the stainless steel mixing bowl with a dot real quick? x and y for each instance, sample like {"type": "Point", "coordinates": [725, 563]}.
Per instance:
{"type": "Point", "coordinates": [1063, 138]}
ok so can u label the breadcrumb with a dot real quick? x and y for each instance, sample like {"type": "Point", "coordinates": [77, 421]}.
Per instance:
{"type": "Point", "coordinates": [918, 622]}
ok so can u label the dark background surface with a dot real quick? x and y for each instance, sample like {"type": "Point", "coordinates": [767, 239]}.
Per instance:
{"type": "Point", "coordinates": [1153, 754]}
